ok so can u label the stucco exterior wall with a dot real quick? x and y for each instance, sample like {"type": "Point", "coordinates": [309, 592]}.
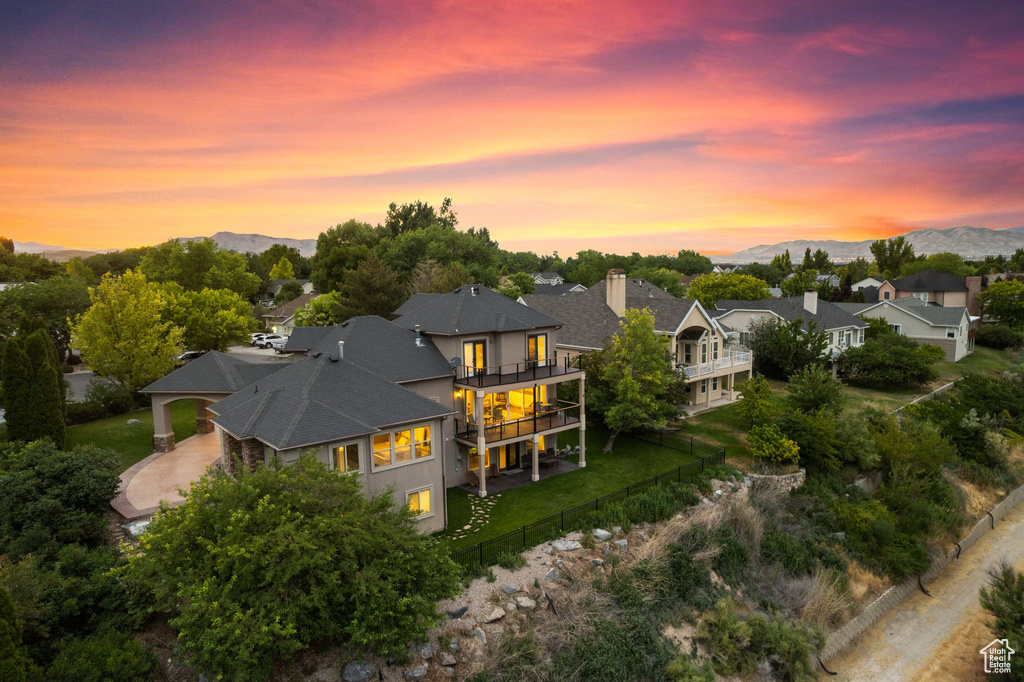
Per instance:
{"type": "Point", "coordinates": [914, 327]}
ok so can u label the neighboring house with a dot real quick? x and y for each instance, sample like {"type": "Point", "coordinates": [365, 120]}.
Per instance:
{"type": "Point", "coordinates": [559, 289]}
{"type": "Point", "coordinates": [275, 286]}
{"type": "Point", "coordinates": [547, 278]}
{"type": "Point", "coordinates": [461, 387]}
{"type": "Point", "coordinates": [723, 269]}
{"type": "Point", "coordinates": [281, 320]}
{"type": "Point", "coordinates": [866, 282]}
{"type": "Point", "coordinates": [698, 344]}
{"type": "Point", "coordinates": [843, 328]}
{"type": "Point", "coordinates": [948, 327]}
{"type": "Point", "coordinates": [776, 292]}
{"type": "Point", "coordinates": [928, 286]}
{"type": "Point", "coordinates": [831, 280]}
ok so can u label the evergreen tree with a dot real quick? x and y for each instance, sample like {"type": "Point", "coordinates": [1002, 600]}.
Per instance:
{"type": "Point", "coordinates": [373, 288]}
{"type": "Point", "coordinates": [17, 382]}
{"type": "Point", "coordinates": [14, 661]}
{"type": "Point", "coordinates": [33, 389]}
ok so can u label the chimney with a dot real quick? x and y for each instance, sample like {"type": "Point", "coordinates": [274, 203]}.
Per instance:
{"type": "Point", "coordinates": [811, 302]}
{"type": "Point", "coordinates": [615, 295]}
{"type": "Point", "coordinates": [341, 349]}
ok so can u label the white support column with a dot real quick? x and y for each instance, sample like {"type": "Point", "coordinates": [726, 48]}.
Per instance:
{"type": "Point", "coordinates": [583, 425]}
{"type": "Point", "coordinates": [536, 458]}
{"type": "Point", "coordinates": [481, 443]}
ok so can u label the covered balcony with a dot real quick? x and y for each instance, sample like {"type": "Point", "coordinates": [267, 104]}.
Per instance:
{"type": "Point", "coordinates": [729, 361]}
{"type": "Point", "coordinates": [476, 376]}
{"type": "Point", "coordinates": [562, 416]}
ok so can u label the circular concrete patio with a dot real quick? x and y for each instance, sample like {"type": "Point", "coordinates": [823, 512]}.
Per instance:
{"type": "Point", "coordinates": [157, 478]}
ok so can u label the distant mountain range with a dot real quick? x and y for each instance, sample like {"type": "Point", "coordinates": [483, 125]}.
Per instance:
{"type": "Point", "coordinates": [256, 243]}
{"type": "Point", "coordinates": [969, 242]}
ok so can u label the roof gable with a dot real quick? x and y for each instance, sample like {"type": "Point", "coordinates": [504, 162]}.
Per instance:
{"type": "Point", "coordinates": [213, 372]}
{"type": "Point", "coordinates": [473, 309]}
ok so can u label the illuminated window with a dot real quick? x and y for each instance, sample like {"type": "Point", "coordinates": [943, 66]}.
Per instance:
{"type": "Point", "coordinates": [537, 348]}
{"type": "Point", "coordinates": [422, 442]}
{"type": "Point", "coordinates": [382, 449]}
{"type": "Point", "coordinates": [346, 457]}
{"type": "Point", "coordinates": [403, 446]}
{"type": "Point", "coordinates": [474, 459]}
{"type": "Point", "coordinates": [475, 356]}
{"type": "Point", "coordinates": [419, 502]}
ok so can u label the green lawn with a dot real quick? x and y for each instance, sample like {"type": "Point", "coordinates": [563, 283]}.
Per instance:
{"type": "Point", "coordinates": [133, 442]}
{"type": "Point", "coordinates": [982, 360]}
{"type": "Point", "coordinates": [631, 461]}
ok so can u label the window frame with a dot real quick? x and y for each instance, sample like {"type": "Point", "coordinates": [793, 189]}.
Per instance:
{"type": "Point", "coordinates": [470, 368]}
{"type": "Point", "coordinates": [413, 443]}
{"type": "Point", "coordinates": [897, 328]}
{"type": "Point", "coordinates": [429, 489]}
{"type": "Point", "coordinates": [703, 386]}
{"type": "Point", "coordinates": [951, 332]}
{"type": "Point", "coordinates": [333, 456]}
{"type": "Point", "coordinates": [541, 358]}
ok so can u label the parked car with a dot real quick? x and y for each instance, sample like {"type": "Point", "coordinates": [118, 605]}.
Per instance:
{"type": "Point", "coordinates": [268, 340]}
{"type": "Point", "coordinates": [257, 338]}
{"type": "Point", "coordinates": [278, 345]}
{"type": "Point", "coordinates": [190, 355]}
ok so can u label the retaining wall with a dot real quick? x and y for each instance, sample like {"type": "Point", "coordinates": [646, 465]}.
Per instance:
{"type": "Point", "coordinates": [841, 638]}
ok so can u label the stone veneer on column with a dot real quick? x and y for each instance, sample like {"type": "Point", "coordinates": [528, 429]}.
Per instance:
{"type": "Point", "coordinates": [163, 443]}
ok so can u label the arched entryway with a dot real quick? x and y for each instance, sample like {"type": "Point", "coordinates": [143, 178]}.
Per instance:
{"type": "Point", "coordinates": [163, 426]}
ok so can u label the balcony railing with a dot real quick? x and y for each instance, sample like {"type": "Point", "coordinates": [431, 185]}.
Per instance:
{"type": "Point", "coordinates": [529, 370]}
{"type": "Point", "coordinates": [728, 360]}
{"type": "Point", "coordinates": [546, 419]}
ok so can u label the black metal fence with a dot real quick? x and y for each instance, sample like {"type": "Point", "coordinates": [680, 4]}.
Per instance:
{"type": "Point", "coordinates": [487, 552]}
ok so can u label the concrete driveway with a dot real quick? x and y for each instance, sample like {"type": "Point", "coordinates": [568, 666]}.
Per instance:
{"type": "Point", "coordinates": [158, 477]}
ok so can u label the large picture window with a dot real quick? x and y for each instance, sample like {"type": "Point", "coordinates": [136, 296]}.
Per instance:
{"type": "Point", "coordinates": [402, 446]}
{"type": "Point", "coordinates": [420, 502]}
{"type": "Point", "coordinates": [474, 459]}
{"type": "Point", "coordinates": [346, 457]}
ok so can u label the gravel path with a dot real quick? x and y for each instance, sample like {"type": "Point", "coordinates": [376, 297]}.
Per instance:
{"type": "Point", "coordinates": [904, 644]}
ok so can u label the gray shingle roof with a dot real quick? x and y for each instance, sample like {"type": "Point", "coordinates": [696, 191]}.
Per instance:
{"type": "Point", "coordinates": [471, 309]}
{"type": "Point", "coordinates": [544, 275]}
{"type": "Point", "coordinates": [829, 315]}
{"type": "Point", "coordinates": [588, 321]}
{"type": "Point", "coordinates": [213, 372]}
{"type": "Point", "coordinates": [320, 400]}
{"type": "Point", "coordinates": [555, 289]}
{"type": "Point", "coordinates": [935, 315]}
{"type": "Point", "coordinates": [303, 339]}
{"type": "Point", "coordinates": [287, 310]}
{"type": "Point", "coordinates": [930, 280]}
{"type": "Point", "coordinates": [414, 302]}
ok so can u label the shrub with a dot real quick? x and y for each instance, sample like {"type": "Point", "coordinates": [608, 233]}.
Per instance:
{"type": "Point", "coordinates": [15, 664]}
{"type": "Point", "coordinates": [624, 651]}
{"type": "Point", "coordinates": [813, 388]}
{"type": "Point", "coordinates": [815, 434]}
{"type": "Point", "coordinates": [782, 347]}
{"type": "Point", "coordinates": [683, 669]}
{"type": "Point", "coordinates": [114, 399]}
{"type": "Point", "coordinates": [891, 362]}
{"type": "Point", "coordinates": [84, 412]}
{"type": "Point", "coordinates": [769, 444]}
{"type": "Point", "coordinates": [998, 336]}
{"type": "Point", "coordinates": [511, 561]}
{"type": "Point", "coordinates": [261, 565]}
{"type": "Point", "coordinates": [756, 401]}
{"type": "Point", "coordinates": [49, 498]}
{"type": "Point", "coordinates": [108, 656]}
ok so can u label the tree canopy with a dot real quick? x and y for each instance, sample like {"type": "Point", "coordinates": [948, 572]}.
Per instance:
{"type": "Point", "coordinates": [891, 255]}
{"type": "Point", "coordinates": [1004, 301]}
{"type": "Point", "coordinates": [33, 386]}
{"type": "Point", "coordinates": [198, 265]}
{"type": "Point", "coordinates": [283, 269]}
{"type": "Point", "coordinates": [711, 288]}
{"type": "Point", "coordinates": [781, 347]}
{"type": "Point", "coordinates": [124, 335]}
{"type": "Point", "coordinates": [338, 249]}
{"type": "Point", "coordinates": [372, 288]}
{"type": "Point", "coordinates": [211, 319]}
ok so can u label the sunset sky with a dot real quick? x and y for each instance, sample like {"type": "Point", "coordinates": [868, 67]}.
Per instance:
{"type": "Point", "coordinates": [622, 126]}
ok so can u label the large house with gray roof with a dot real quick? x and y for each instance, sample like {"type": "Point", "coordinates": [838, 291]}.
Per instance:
{"type": "Point", "coordinates": [844, 329]}
{"type": "Point", "coordinates": [460, 389]}
{"type": "Point", "coordinates": [948, 327]}
{"type": "Point", "coordinates": [698, 344]}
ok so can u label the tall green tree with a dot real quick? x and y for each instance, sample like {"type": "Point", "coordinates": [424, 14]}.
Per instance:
{"type": "Point", "coordinates": [289, 292]}
{"type": "Point", "coordinates": [801, 281]}
{"type": "Point", "coordinates": [1004, 301]}
{"type": "Point", "coordinates": [953, 263]}
{"type": "Point", "coordinates": [198, 265]}
{"type": "Point", "coordinates": [319, 312]}
{"type": "Point", "coordinates": [6, 244]}
{"type": "Point", "coordinates": [1003, 598]}
{"type": "Point", "coordinates": [755, 403]}
{"type": "Point", "coordinates": [690, 262]}
{"type": "Point", "coordinates": [123, 335]}
{"type": "Point", "coordinates": [711, 288]}
{"type": "Point", "coordinates": [639, 376]}
{"type": "Point", "coordinates": [273, 255]}
{"type": "Point", "coordinates": [891, 255]}
{"type": "Point", "coordinates": [782, 262]}
{"type": "Point", "coordinates": [53, 302]}
{"type": "Point", "coordinates": [417, 215]}
{"type": "Point", "coordinates": [373, 288]}
{"type": "Point", "coordinates": [283, 269]}
{"type": "Point", "coordinates": [211, 319]}
{"type": "Point", "coordinates": [782, 347]}
{"type": "Point", "coordinates": [33, 388]}
{"type": "Point", "coordinates": [339, 249]}
{"type": "Point", "coordinates": [814, 388]}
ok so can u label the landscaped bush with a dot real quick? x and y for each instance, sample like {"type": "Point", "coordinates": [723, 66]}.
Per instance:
{"type": "Point", "coordinates": [84, 412]}
{"type": "Point", "coordinates": [256, 567]}
{"type": "Point", "coordinates": [815, 434]}
{"type": "Point", "coordinates": [511, 561]}
{"type": "Point", "coordinates": [102, 399]}
{"type": "Point", "coordinates": [50, 498]}
{"type": "Point", "coordinates": [655, 503]}
{"type": "Point", "coordinates": [813, 388]}
{"type": "Point", "coordinates": [683, 669]}
{"type": "Point", "coordinates": [767, 443]}
{"type": "Point", "coordinates": [891, 362]}
{"type": "Point", "coordinates": [102, 657]}
{"type": "Point", "coordinates": [998, 336]}
{"type": "Point", "coordinates": [15, 664]}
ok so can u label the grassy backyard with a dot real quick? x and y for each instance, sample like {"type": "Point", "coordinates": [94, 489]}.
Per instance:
{"type": "Point", "coordinates": [631, 461]}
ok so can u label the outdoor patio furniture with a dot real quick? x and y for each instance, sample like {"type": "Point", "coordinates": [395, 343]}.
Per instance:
{"type": "Point", "coordinates": [473, 479]}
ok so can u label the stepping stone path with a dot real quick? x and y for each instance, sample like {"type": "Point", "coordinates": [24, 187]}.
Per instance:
{"type": "Point", "coordinates": [480, 514]}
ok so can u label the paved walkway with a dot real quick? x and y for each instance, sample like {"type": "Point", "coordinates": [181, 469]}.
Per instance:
{"type": "Point", "coordinates": [159, 476]}
{"type": "Point", "coordinates": [904, 644]}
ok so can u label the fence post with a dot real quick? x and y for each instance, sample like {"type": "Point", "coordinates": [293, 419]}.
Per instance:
{"type": "Point", "coordinates": [679, 474]}
{"type": "Point", "coordinates": [481, 546]}
{"type": "Point", "coordinates": [627, 491]}
{"type": "Point", "coordinates": [524, 537]}
{"type": "Point", "coordinates": [661, 438]}
{"type": "Point", "coordinates": [691, 446]}
{"type": "Point", "coordinates": [563, 520]}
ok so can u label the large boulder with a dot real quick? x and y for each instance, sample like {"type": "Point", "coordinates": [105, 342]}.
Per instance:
{"type": "Point", "coordinates": [358, 671]}
{"type": "Point", "coordinates": [416, 673]}
{"type": "Point", "coordinates": [602, 535]}
{"type": "Point", "coordinates": [566, 545]}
